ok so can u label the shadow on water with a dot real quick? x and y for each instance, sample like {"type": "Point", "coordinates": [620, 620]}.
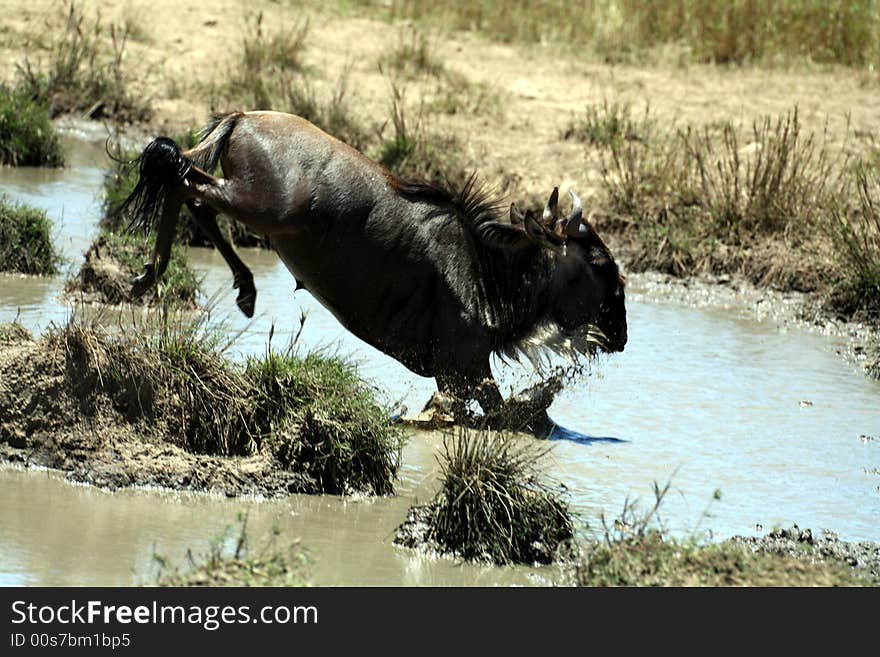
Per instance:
{"type": "Point", "coordinates": [561, 433]}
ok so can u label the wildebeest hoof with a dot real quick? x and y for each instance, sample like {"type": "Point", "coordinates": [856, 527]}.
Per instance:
{"type": "Point", "coordinates": [247, 294]}
{"type": "Point", "coordinates": [140, 284]}
{"type": "Point", "coordinates": [247, 301]}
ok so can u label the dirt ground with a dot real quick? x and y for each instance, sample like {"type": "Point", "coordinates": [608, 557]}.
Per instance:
{"type": "Point", "coordinates": [179, 49]}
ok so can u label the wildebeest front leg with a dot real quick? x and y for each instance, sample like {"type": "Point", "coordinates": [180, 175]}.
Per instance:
{"type": "Point", "coordinates": [478, 384]}
{"type": "Point", "coordinates": [243, 279]}
{"type": "Point", "coordinates": [516, 415]}
{"type": "Point", "coordinates": [154, 269]}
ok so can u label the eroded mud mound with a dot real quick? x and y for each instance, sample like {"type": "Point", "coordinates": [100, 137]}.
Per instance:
{"type": "Point", "coordinates": [118, 411]}
{"type": "Point", "coordinates": [114, 260]}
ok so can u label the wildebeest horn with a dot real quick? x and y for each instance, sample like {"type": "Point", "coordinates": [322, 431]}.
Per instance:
{"type": "Point", "coordinates": [575, 227]}
{"type": "Point", "coordinates": [551, 210]}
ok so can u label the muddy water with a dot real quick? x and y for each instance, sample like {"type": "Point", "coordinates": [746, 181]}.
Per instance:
{"type": "Point", "coordinates": [766, 413]}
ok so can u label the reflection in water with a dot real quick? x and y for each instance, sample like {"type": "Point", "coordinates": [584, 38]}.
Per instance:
{"type": "Point", "coordinates": [703, 395]}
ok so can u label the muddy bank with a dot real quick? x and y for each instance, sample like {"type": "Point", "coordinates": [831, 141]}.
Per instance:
{"type": "Point", "coordinates": [116, 411]}
{"type": "Point", "coordinates": [802, 544]}
{"type": "Point", "coordinates": [114, 260]}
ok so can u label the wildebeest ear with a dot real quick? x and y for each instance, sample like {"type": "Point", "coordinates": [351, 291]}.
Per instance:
{"type": "Point", "coordinates": [516, 217]}
{"type": "Point", "coordinates": [542, 236]}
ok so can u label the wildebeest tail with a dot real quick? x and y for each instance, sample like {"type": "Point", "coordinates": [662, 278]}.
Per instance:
{"type": "Point", "coordinates": [161, 167]}
{"type": "Point", "coordinates": [213, 139]}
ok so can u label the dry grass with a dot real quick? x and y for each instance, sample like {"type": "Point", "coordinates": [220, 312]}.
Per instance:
{"type": "Point", "coordinates": [86, 71]}
{"type": "Point", "coordinates": [412, 150]}
{"type": "Point", "coordinates": [771, 203]}
{"type": "Point", "coordinates": [740, 31]}
{"type": "Point", "coordinates": [607, 123]}
{"type": "Point", "coordinates": [12, 332]}
{"type": "Point", "coordinates": [855, 231]}
{"type": "Point", "coordinates": [720, 200]}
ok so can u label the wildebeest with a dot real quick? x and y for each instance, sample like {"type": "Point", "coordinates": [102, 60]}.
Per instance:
{"type": "Point", "coordinates": [437, 278]}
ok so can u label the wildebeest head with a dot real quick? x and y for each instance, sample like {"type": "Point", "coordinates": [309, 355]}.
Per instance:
{"type": "Point", "coordinates": [590, 307]}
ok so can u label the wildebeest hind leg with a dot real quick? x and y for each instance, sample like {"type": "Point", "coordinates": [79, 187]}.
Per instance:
{"type": "Point", "coordinates": [243, 279]}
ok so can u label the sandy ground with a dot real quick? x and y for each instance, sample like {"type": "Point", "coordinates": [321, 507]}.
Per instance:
{"type": "Point", "coordinates": [178, 50]}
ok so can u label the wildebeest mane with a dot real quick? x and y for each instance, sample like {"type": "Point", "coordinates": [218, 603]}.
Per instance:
{"type": "Point", "coordinates": [473, 202]}
{"type": "Point", "coordinates": [514, 285]}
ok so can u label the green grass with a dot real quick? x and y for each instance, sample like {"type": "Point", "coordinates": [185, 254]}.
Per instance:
{"type": "Point", "coordinates": [325, 421]}
{"type": "Point", "coordinates": [26, 240]}
{"type": "Point", "coordinates": [27, 136]}
{"type": "Point", "coordinates": [637, 551]}
{"type": "Point", "coordinates": [493, 505]}
{"type": "Point", "coordinates": [114, 259]}
{"type": "Point", "coordinates": [736, 32]}
{"type": "Point", "coordinates": [84, 71]}
{"type": "Point", "coordinates": [652, 560]}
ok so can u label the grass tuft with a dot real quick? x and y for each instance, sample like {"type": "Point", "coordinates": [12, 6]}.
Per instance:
{"type": "Point", "coordinates": [26, 240]}
{"type": "Point", "coordinates": [325, 421]}
{"type": "Point", "coordinates": [607, 124]}
{"type": "Point", "coordinates": [309, 415]}
{"type": "Point", "coordinates": [493, 505]}
{"type": "Point", "coordinates": [855, 231]}
{"type": "Point", "coordinates": [27, 136]}
{"type": "Point", "coordinates": [175, 378]}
